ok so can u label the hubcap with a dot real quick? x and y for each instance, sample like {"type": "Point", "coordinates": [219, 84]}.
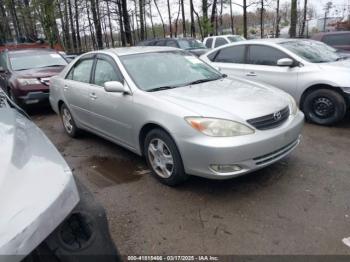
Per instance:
{"type": "Point", "coordinates": [323, 107]}
{"type": "Point", "coordinates": [67, 120]}
{"type": "Point", "coordinates": [160, 158]}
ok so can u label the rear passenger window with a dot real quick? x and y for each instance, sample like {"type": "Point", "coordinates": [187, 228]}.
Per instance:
{"type": "Point", "coordinates": [338, 39]}
{"type": "Point", "coordinates": [265, 55]}
{"type": "Point", "coordinates": [81, 71]}
{"type": "Point", "coordinates": [220, 41]}
{"type": "Point", "coordinates": [232, 54]}
{"type": "Point", "coordinates": [209, 42]}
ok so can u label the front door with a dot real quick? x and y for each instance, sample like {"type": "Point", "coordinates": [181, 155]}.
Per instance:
{"type": "Point", "coordinates": [110, 111]}
{"type": "Point", "coordinates": [262, 67]}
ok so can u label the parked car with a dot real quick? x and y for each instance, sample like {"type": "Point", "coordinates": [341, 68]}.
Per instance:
{"type": "Point", "coordinates": [184, 116]}
{"type": "Point", "coordinates": [25, 73]}
{"type": "Point", "coordinates": [43, 210]}
{"type": "Point", "coordinates": [189, 44]}
{"type": "Point", "coordinates": [216, 41]}
{"type": "Point", "coordinates": [316, 76]}
{"type": "Point", "coordinates": [340, 40]}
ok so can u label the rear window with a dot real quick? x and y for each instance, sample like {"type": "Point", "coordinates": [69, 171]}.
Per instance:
{"type": "Point", "coordinates": [338, 39]}
{"type": "Point", "coordinates": [32, 60]}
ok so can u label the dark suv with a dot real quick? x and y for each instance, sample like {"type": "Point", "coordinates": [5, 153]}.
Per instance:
{"type": "Point", "coordinates": [25, 73]}
{"type": "Point", "coordinates": [340, 40]}
{"type": "Point", "coordinates": [190, 44]}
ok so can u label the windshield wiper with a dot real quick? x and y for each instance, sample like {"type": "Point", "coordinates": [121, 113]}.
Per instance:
{"type": "Point", "coordinates": [161, 88]}
{"type": "Point", "coordinates": [199, 81]}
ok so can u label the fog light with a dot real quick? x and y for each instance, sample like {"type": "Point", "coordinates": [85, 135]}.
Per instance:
{"type": "Point", "coordinates": [225, 168]}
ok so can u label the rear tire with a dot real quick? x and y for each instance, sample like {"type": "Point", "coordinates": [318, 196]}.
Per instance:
{"type": "Point", "coordinates": [324, 107]}
{"type": "Point", "coordinates": [163, 158]}
{"type": "Point", "coordinates": [68, 122]}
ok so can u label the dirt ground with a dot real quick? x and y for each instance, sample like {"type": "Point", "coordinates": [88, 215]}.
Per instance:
{"type": "Point", "coordinates": [300, 205]}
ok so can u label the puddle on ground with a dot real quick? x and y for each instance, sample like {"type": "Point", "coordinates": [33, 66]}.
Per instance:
{"type": "Point", "coordinates": [107, 171]}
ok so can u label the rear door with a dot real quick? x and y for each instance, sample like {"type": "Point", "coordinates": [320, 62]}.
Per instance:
{"type": "Point", "coordinates": [262, 67]}
{"type": "Point", "coordinates": [77, 89]}
{"type": "Point", "coordinates": [110, 112]}
{"type": "Point", "coordinates": [230, 60]}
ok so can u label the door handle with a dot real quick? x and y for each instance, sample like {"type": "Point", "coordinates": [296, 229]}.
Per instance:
{"type": "Point", "coordinates": [251, 74]}
{"type": "Point", "coordinates": [65, 88]}
{"type": "Point", "coordinates": [93, 96]}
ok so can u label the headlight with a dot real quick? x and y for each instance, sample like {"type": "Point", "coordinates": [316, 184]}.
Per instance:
{"type": "Point", "coordinates": [218, 127]}
{"type": "Point", "coordinates": [293, 107]}
{"type": "Point", "coordinates": [28, 81]}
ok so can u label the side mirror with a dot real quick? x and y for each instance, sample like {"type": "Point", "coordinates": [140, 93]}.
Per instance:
{"type": "Point", "coordinates": [116, 87]}
{"type": "Point", "coordinates": [285, 62]}
{"type": "Point", "coordinates": [2, 70]}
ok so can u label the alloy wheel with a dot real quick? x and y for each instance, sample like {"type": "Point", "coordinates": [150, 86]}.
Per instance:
{"type": "Point", "coordinates": [67, 120]}
{"type": "Point", "coordinates": [160, 158]}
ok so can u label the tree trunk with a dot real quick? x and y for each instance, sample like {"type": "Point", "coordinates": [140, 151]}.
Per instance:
{"type": "Point", "coordinates": [122, 32]}
{"type": "Point", "coordinates": [245, 23]}
{"type": "Point", "coordinates": [231, 18]}
{"type": "Point", "coordinates": [97, 22]}
{"type": "Point", "coordinates": [161, 17]}
{"type": "Point", "coordinates": [142, 26]}
{"type": "Point", "coordinates": [293, 19]}
{"type": "Point", "coordinates": [193, 27]}
{"type": "Point", "coordinates": [126, 21]}
{"type": "Point", "coordinates": [304, 19]}
{"type": "Point", "coordinates": [183, 18]}
{"type": "Point", "coordinates": [151, 18]}
{"type": "Point", "coordinates": [205, 17]}
{"type": "Point", "coordinates": [66, 28]}
{"type": "Point", "coordinates": [199, 24]}
{"type": "Point", "coordinates": [92, 35]}
{"type": "Point", "coordinates": [262, 19]}
{"type": "Point", "coordinates": [277, 19]}
{"type": "Point", "coordinates": [110, 22]}
{"type": "Point", "coordinates": [170, 24]}
{"type": "Point", "coordinates": [213, 17]}
{"type": "Point", "coordinates": [74, 37]}
{"type": "Point", "coordinates": [177, 18]}
{"type": "Point", "coordinates": [77, 27]}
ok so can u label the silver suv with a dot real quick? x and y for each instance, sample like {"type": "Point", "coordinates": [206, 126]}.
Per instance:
{"type": "Point", "coordinates": [312, 72]}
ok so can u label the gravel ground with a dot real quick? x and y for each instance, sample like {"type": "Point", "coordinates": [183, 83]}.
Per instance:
{"type": "Point", "coordinates": [297, 206]}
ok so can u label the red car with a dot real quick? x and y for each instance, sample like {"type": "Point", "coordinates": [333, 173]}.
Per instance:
{"type": "Point", "coordinates": [339, 40]}
{"type": "Point", "coordinates": [25, 73]}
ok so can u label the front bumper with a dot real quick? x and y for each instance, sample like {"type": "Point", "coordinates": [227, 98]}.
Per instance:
{"type": "Point", "coordinates": [250, 152]}
{"type": "Point", "coordinates": [34, 97]}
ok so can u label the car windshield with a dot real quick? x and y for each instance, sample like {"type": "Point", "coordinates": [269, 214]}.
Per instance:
{"type": "Point", "coordinates": [235, 38]}
{"type": "Point", "coordinates": [31, 60]}
{"type": "Point", "coordinates": [188, 44]}
{"type": "Point", "coordinates": [312, 51]}
{"type": "Point", "coordinates": [165, 70]}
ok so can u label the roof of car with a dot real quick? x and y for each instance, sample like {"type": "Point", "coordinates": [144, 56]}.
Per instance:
{"type": "Point", "coordinates": [26, 50]}
{"type": "Point", "coordinates": [139, 49]}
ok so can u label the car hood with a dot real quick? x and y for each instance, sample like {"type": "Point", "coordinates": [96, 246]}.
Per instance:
{"type": "Point", "coordinates": [228, 98]}
{"type": "Point", "coordinates": [37, 189]}
{"type": "Point", "coordinates": [342, 65]}
{"type": "Point", "coordinates": [40, 72]}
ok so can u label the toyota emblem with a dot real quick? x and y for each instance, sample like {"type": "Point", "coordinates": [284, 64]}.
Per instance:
{"type": "Point", "coordinates": [277, 116]}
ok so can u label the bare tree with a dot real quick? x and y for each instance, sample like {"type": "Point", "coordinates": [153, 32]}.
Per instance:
{"type": "Point", "coordinates": [193, 27]}
{"type": "Point", "coordinates": [170, 24]}
{"type": "Point", "coordinates": [293, 19]}
{"type": "Point", "coordinates": [213, 16]}
{"type": "Point", "coordinates": [160, 16]}
{"type": "Point", "coordinates": [231, 18]}
{"type": "Point", "coordinates": [278, 18]}
{"type": "Point", "coordinates": [183, 18]}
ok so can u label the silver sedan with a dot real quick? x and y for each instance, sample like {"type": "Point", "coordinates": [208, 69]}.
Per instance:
{"type": "Point", "coordinates": [184, 116]}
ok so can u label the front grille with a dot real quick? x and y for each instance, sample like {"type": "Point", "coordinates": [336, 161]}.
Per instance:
{"type": "Point", "coordinates": [270, 121]}
{"type": "Point", "coordinates": [261, 160]}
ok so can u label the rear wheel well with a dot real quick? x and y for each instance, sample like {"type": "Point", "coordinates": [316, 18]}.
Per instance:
{"type": "Point", "coordinates": [320, 86]}
{"type": "Point", "coordinates": [145, 130]}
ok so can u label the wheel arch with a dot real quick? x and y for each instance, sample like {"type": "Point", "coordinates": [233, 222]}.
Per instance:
{"type": "Point", "coordinates": [146, 128]}
{"type": "Point", "coordinates": [321, 86]}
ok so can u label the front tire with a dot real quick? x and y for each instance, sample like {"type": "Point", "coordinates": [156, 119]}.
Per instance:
{"type": "Point", "coordinates": [324, 107]}
{"type": "Point", "coordinates": [163, 158]}
{"type": "Point", "coordinates": [68, 122]}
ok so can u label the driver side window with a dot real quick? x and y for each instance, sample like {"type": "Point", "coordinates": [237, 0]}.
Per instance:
{"type": "Point", "coordinates": [264, 55]}
{"type": "Point", "coordinates": [105, 72]}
